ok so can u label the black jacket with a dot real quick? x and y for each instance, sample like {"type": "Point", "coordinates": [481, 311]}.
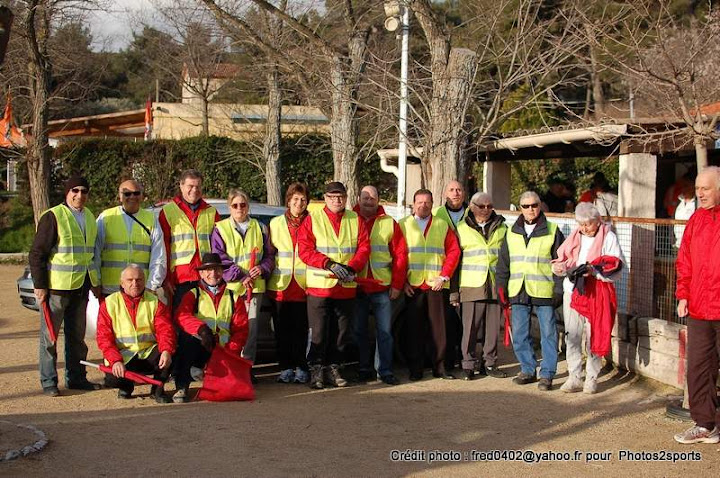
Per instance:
{"type": "Point", "coordinates": [503, 268]}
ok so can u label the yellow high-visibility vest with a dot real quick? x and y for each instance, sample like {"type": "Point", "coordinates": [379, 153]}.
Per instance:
{"type": "Point", "coordinates": [530, 265]}
{"type": "Point", "coordinates": [442, 213]}
{"type": "Point", "coordinates": [119, 249]}
{"type": "Point", "coordinates": [339, 248]}
{"type": "Point", "coordinates": [72, 258]}
{"type": "Point", "coordinates": [240, 250]}
{"type": "Point", "coordinates": [380, 259]}
{"type": "Point", "coordinates": [183, 235]}
{"type": "Point", "coordinates": [218, 320]}
{"type": "Point", "coordinates": [138, 339]}
{"type": "Point", "coordinates": [479, 256]}
{"type": "Point", "coordinates": [287, 259]}
{"type": "Point", "coordinates": [425, 254]}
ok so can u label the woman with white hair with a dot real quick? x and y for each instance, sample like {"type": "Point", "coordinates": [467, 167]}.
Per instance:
{"type": "Point", "coordinates": [590, 259]}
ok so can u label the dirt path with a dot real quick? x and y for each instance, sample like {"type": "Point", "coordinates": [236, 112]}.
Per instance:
{"type": "Point", "coordinates": [290, 430]}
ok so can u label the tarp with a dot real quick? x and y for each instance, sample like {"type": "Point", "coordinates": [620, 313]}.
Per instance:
{"type": "Point", "coordinates": [227, 378]}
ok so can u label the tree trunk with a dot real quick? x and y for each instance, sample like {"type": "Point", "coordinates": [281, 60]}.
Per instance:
{"type": "Point", "coordinates": [271, 146]}
{"type": "Point", "coordinates": [701, 155]}
{"type": "Point", "coordinates": [597, 91]}
{"type": "Point", "coordinates": [443, 144]}
{"type": "Point", "coordinates": [37, 27]}
{"type": "Point", "coordinates": [343, 133]}
{"type": "Point", "coordinates": [205, 116]}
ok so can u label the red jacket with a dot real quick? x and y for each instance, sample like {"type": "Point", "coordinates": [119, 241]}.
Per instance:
{"type": "Point", "coordinates": [310, 256]}
{"type": "Point", "coordinates": [452, 253]}
{"type": "Point", "coordinates": [187, 272]}
{"type": "Point", "coordinates": [398, 251]}
{"type": "Point", "coordinates": [698, 265]}
{"type": "Point", "coordinates": [164, 330]}
{"type": "Point", "coordinates": [186, 318]}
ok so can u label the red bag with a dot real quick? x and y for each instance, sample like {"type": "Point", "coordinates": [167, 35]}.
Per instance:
{"type": "Point", "coordinates": [227, 378]}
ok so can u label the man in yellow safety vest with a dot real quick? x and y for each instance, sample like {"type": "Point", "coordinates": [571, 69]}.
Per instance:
{"type": "Point", "coordinates": [128, 234]}
{"type": "Point", "coordinates": [526, 281]}
{"type": "Point", "coordinates": [64, 268]}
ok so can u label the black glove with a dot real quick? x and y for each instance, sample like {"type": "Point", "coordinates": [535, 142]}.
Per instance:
{"type": "Point", "coordinates": [207, 339]}
{"type": "Point", "coordinates": [342, 272]}
{"type": "Point", "coordinates": [557, 300]}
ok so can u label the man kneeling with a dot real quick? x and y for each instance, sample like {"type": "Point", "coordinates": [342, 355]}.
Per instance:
{"type": "Point", "coordinates": [135, 333]}
{"type": "Point", "coordinates": [209, 314]}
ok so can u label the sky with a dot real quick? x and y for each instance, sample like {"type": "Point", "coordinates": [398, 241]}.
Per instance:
{"type": "Point", "coordinates": [112, 28]}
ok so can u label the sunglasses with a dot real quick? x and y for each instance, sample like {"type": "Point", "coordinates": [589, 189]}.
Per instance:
{"type": "Point", "coordinates": [82, 191]}
{"type": "Point", "coordinates": [127, 194]}
{"type": "Point", "coordinates": [239, 205]}
{"type": "Point", "coordinates": [483, 206]}
{"type": "Point", "coordinates": [533, 205]}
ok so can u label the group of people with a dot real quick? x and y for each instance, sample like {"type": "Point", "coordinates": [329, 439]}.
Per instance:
{"type": "Point", "coordinates": [175, 286]}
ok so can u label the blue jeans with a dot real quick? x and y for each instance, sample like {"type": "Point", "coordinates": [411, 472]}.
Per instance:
{"type": "Point", "coordinates": [522, 342]}
{"type": "Point", "coordinates": [382, 309]}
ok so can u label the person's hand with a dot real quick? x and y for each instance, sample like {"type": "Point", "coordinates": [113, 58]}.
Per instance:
{"type": "Point", "coordinates": [559, 269]}
{"type": "Point", "coordinates": [207, 339]}
{"type": "Point", "coordinates": [118, 369]}
{"type": "Point", "coordinates": [247, 282]}
{"type": "Point", "coordinates": [343, 273]}
{"type": "Point", "coordinates": [255, 272]}
{"type": "Point", "coordinates": [394, 293]}
{"type": "Point", "coordinates": [438, 283]}
{"type": "Point", "coordinates": [41, 294]}
{"type": "Point", "coordinates": [682, 308]}
{"type": "Point", "coordinates": [455, 299]}
{"type": "Point", "coordinates": [165, 360]}
{"type": "Point", "coordinates": [409, 291]}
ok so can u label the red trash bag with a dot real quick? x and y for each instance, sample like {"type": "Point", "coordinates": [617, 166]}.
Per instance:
{"type": "Point", "coordinates": [227, 378]}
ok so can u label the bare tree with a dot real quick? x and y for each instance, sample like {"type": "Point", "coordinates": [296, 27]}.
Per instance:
{"type": "Point", "coordinates": [672, 65]}
{"type": "Point", "coordinates": [330, 59]}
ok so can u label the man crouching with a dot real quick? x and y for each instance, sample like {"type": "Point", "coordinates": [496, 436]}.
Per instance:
{"type": "Point", "coordinates": [208, 315]}
{"type": "Point", "coordinates": [135, 333]}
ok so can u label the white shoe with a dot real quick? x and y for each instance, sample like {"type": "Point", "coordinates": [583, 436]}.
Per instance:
{"type": "Point", "coordinates": [571, 385]}
{"type": "Point", "coordinates": [590, 387]}
{"type": "Point", "coordinates": [696, 434]}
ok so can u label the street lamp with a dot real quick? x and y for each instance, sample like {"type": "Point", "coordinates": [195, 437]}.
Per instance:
{"type": "Point", "coordinates": [398, 16]}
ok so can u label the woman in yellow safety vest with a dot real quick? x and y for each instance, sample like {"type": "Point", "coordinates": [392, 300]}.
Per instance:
{"type": "Point", "coordinates": [243, 245]}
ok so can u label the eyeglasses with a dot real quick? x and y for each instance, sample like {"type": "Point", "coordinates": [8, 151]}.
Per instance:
{"type": "Point", "coordinates": [127, 194]}
{"type": "Point", "coordinates": [239, 205]}
{"type": "Point", "coordinates": [533, 205]}
{"type": "Point", "coordinates": [483, 206]}
{"type": "Point", "coordinates": [335, 197]}
{"type": "Point", "coordinates": [82, 191]}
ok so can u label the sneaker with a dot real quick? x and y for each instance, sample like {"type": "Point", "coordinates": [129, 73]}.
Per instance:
{"type": "Point", "coordinates": [316, 377]}
{"type": "Point", "coordinates": [301, 376]}
{"type": "Point", "coordinates": [480, 368]}
{"type": "Point", "coordinates": [545, 384]}
{"type": "Point", "coordinates": [182, 395]}
{"type": "Point", "coordinates": [197, 374]}
{"type": "Point", "coordinates": [523, 378]}
{"type": "Point", "coordinates": [124, 394]}
{"type": "Point", "coordinates": [159, 394]}
{"type": "Point", "coordinates": [493, 371]}
{"type": "Point", "coordinates": [590, 387]}
{"type": "Point", "coordinates": [468, 374]}
{"type": "Point", "coordinates": [333, 377]}
{"type": "Point", "coordinates": [390, 380]}
{"type": "Point", "coordinates": [571, 385]}
{"type": "Point", "coordinates": [697, 434]}
{"type": "Point", "coordinates": [286, 376]}
{"type": "Point", "coordinates": [51, 391]}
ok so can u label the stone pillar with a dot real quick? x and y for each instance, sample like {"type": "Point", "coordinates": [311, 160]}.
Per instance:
{"type": "Point", "coordinates": [413, 181]}
{"type": "Point", "coordinates": [496, 182]}
{"type": "Point", "coordinates": [636, 188]}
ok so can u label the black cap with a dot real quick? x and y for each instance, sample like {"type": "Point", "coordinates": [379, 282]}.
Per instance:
{"type": "Point", "coordinates": [210, 260]}
{"type": "Point", "coordinates": [335, 187]}
{"type": "Point", "coordinates": [75, 181]}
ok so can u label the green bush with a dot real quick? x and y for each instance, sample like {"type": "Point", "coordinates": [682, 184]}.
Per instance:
{"type": "Point", "coordinates": [18, 228]}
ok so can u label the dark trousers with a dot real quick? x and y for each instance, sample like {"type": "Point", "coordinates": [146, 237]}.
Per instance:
{"type": "Point", "coordinates": [149, 365]}
{"type": "Point", "coordinates": [702, 370]}
{"type": "Point", "coordinates": [481, 324]}
{"type": "Point", "coordinates": [291, 334]}
{"type": "Point", "coordinates": [453, 332]}
{"type": "Point", "coordinates": [190, 353]}
{"type": "Point", "coordinates": [329, 322]}
{"type": "Point", "coordinates": [426, 306]}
